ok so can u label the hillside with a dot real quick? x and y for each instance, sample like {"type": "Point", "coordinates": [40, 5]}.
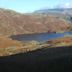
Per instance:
{"type": "Point", "coordinates": [12, 23]}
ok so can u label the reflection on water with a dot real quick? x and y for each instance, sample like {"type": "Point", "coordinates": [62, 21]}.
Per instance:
{"type": "Point", "coordinates": [40, 36]}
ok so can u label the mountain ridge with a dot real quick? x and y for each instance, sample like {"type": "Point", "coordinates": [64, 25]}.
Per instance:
{"type": "Point", "coordinates": [54, 10]}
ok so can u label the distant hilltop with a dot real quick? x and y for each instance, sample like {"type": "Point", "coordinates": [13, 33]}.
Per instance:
{"type": "Point", "coordinates": [56, 10]}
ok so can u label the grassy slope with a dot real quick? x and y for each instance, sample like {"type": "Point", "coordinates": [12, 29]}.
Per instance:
{"type": "Point", "coordinates": [9, 47]}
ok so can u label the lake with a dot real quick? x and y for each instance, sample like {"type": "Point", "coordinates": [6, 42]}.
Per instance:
{"type": "Point", "coordinates": [39, 36]}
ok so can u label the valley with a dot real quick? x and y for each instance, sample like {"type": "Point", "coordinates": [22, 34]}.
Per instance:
{"type": "Point", "coordinates": [20, 33]}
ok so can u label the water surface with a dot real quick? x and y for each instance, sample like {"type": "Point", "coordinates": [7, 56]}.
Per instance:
{"type": "Point", "coordinates": [39, 36]}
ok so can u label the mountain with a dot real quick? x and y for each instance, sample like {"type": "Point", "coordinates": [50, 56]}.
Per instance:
{"type": "Point", "coordinates": [61, 8]}
{"type": "Point", "coordinates": [56, 11]}
{"type": "Point", "coordinates": [12, 23]}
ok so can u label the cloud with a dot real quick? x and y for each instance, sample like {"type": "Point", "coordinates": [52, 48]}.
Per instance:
{"type": "Point", "coordinates": [67, 5]}
{"type": "Point", "coordinates": [64, 5]}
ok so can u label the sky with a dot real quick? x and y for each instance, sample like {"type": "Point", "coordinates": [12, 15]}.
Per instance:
{"type": "Point", "coordinates": [26, 6]}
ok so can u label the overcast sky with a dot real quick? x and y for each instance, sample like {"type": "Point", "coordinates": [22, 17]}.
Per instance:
{"type": "Point", "coordinates": [31, 5]}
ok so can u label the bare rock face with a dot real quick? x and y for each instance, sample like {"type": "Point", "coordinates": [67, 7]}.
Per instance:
{"type": "Point", "coordinates": [12, 22]}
